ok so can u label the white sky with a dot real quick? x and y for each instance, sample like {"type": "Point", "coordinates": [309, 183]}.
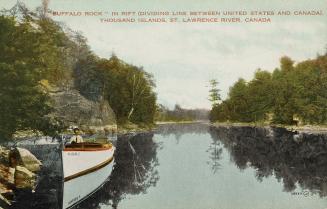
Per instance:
{"type": "Point", "coordinates": [183, 57]}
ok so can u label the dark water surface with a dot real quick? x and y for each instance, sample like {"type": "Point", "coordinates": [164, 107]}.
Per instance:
{"type": "Point", "coordinates": [196, 167]}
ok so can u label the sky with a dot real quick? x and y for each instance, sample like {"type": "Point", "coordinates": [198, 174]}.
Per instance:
{"type": "Point", "coordinates": [183, 57]}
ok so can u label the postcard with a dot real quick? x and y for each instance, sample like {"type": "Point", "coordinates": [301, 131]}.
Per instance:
{"type": "Point", "coordinates": [163, 104]}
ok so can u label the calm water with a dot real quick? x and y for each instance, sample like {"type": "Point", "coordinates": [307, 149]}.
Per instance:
{"type": "Point", "coordinates": [195, 167]}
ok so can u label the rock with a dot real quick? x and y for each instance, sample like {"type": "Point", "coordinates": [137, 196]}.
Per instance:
{"type": "Point", "coordinates": [4, 190]}
{"type": "Point", "coordinates": [74, 109]}
{"type": "Point", "coordinates": [4, 200]}
{"type": "Point", "coordinates": [24, 179]}
{"type": "Point", "coordinates": [6, 195]}
{"type": "Point", "coordinates": [7, 175]}
{"type": "Point", "coordinates": [4, 156]}
{"type": "Point", "coordinates": [105, 130]}
{"type": "Point", "coordinates": [25, 158]}
{"type": "Point", "coordinates": [16, 172]}
{"type": "Point", "coordinates": [7, 179]}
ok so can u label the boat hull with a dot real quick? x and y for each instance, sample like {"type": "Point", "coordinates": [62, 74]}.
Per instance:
{"type": "Point", "coordinates": [80, 188]}
{"type": "Point", "coordinates": [78, 161]}
{"type": "Point", "coordinates": [85, 169]}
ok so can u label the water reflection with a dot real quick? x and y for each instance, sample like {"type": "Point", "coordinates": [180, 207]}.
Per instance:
{"type": "Point", "coordinates": [134, 171]}
{"type": "Point", "coordinates": [295, 159]}
{"type": "Point", "coordinates": [215, 151]}
{"type": "Point", "coordinates": [186, 179]}
{"type": "Point", "coordinates": [180, 129]}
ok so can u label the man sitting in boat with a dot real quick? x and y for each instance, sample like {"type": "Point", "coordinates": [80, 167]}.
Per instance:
{"type": "Point", "coordinates": [76, 138]}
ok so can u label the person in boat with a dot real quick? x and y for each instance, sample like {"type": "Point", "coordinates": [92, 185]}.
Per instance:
{"type": "Point", "coordinates": [76, 138]}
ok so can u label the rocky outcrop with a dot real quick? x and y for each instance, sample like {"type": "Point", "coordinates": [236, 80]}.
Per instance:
{"type": "Point", "coordinates": [17, 171]}
{"type": "Point", "coordinates": [4, 156]}
{"type": "Point", "coordinates": [48, 193]}
{"type": "Point", "coordinates": [75, 110]}
{"type": "Point", "coordinates": [8, 174]}
{"type": "Point", "coordinates": [25, 158]}
{"type": "Point", "coordinates": [24, 178]}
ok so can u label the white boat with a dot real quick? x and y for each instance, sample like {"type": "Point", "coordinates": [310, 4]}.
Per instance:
{"type": "Point", "coordinates": [86, 167]}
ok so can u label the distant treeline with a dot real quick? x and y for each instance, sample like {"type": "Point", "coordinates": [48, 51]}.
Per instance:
{"type": "Point", "coordinates": [38, 53]}
{"type": "Point", "coordinates": [290, 94]}
{"type": "Point", "coordinates": [180, 114]}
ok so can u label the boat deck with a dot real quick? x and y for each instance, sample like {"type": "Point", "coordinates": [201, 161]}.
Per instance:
{"type": "Point", "coordinates": [88, 146]}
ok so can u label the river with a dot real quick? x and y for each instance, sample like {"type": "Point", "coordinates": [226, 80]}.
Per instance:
{"type": "Point", "coordinates": [195, 166]}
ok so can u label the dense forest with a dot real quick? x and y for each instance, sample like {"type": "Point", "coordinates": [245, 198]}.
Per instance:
{"type": "Point", "coordinates": [129, 89]}
{"type": "Point", "coordinates": [294, 93]}
{"type": "Point", "coordinates": [38, 53]}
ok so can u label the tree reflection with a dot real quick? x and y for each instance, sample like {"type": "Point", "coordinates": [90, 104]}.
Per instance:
{"type": "Point", "coordinates": [134, 171]}
{"type": "Point", "coordinates": [294, 159]}
{"type": "Point", "coordinates": [180, 129]}
{"type": "Point", "coordinates": [215, 155]}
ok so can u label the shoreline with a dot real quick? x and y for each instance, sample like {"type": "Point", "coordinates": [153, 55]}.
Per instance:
{"type": "Point", "coordinates": [129, 128]}
{"type": "Point", "coordinates": [135, 129]}
{"type": "Point", "coordinates": [175, 122]}
{"type": "Point", "coordinates": [308, 129]}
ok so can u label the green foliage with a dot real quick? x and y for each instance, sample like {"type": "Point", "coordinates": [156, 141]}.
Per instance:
{"type": "Point", "coordinates": [310, 80]}
{"type": "Point", "coordinates": [239, 103]}
{"type": "Point", "coordinates": [284, 92]}
{"type": "Point", "coordinates": [260, 90]}
{"type": "Point", "coordinates": [35, 48]}
{"type": "Point", "coordinates": [214, 96]}
{"type": "Point", "coordinates": [88, 77]}
{"type": "Point", "coordinates": [289, 94]}
{"type": "Point", "coordinates": [129, 89]}
{"type": "Point", "coordinates": [220, 112]}
{"type": "Point", "coordinates": [55, 50]}
{"type": "Point", "coordinates": [23, 104]}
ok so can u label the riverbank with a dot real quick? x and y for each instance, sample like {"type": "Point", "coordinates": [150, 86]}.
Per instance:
{"type": "Point", "coordinates": [18, 169]}
{"type": "Point", "coordinates": [128, 128]}
{"type": "Point", "coordinates": [131, 128]}
{"type": "Point", "coordinates": [175, 122]}
{"type": "Point", "coordinates": [314, 129]}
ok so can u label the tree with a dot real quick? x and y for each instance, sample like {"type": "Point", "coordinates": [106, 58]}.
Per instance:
{"type": "Point", "coordinates": [24, 105]}
{"type": "Point", "coordinates": [260, 96]}
{"type": "Point", "coordinates": [291, 94]}
{"type": "Point", "coordinates": [310, 97]}
{"type": "Point", "coordinates": [55, 49]}
{"type": "Point", "coordinates": [284, 89]}
{"type": "Point", "coordinates": [214, 95]}
{"type": "Point", "coordinates": [128, 88]}
{"type": "Point", "coordinates": [239, 102]}
{"type": "Point", "coordinates": [221, 112]}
